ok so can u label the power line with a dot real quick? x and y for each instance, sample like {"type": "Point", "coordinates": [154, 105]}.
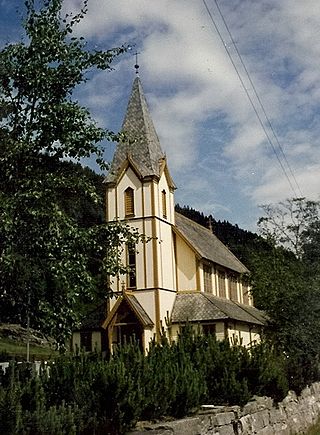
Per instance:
{"type": "Point", "coordinates": [251, 101]}
{"type": "Point", "coordinates": [258, 98]}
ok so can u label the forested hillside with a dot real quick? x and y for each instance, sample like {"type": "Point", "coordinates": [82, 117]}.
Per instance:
{"type": "Point", "coordinates": [240, 242]}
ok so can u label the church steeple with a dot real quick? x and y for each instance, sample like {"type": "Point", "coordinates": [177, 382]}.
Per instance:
{"type": "Point", "coordinates": [141, 144]}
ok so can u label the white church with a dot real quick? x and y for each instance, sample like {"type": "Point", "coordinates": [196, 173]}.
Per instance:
{"type": "Point", "coordinates": [183, 274]}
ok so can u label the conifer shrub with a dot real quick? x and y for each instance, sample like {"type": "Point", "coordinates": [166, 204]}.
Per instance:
{"type": "Point", "coordinates": [266, 372]}
{"type": "Point", "coordinates": [225, 378]}
{"type": "Point", "coordinates": [85, 394]}
{"type": "Point", "coordinates": [189, 382]}
{"type": "Point", "coordinates": [159, 381]}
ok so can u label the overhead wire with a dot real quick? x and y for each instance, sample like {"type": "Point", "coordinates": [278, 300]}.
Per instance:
{"type": "Point", "coordinates": [251, 100]}
{"type": "Point", "coordinates": [258, 98]}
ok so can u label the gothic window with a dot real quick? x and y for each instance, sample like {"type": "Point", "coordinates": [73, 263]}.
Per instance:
{"type": "Point", "coordinates": [131, 263]}
{"type": "Point", "coordinates": [129, 202]}
{"type": "Point", "coordinates": [222, 284]}
{"type": "Point", "coordinates": [233, 287]}
{"type": "Point", "coordinates": [207, 278]}
{"type": "Point", "coordinates": [164, 204]}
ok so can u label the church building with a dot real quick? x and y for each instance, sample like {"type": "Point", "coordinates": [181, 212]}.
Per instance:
{"type": "Point", "coordinates": [181, 273]}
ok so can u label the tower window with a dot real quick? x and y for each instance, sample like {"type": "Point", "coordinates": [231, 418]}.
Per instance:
{"type": "Point", "coordinates": [164, 204]}
{"type": "Point", "coordinates": [129, 202]}
{"type": "Point", "coordinates": [131, 262]}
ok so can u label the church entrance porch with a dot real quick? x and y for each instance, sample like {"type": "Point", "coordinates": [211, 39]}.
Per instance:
{"type": "Point", "coordinates": [127, 322]}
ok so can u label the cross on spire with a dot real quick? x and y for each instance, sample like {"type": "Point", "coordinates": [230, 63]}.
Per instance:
{"type": "Point", "coordinates": [136, 65]}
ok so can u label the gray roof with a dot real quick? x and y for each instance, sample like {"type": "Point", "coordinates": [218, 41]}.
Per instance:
{"type": "Point", "coordinates": [139, 310]}
{"type": "Point", "coordinates": [207, 244]}
{"type": "Point", "coordinates": [134, 305]}
{"type": "Point", "coordinates": [141, 142]}
{"type": "Point", "coordinates": [201, 307]}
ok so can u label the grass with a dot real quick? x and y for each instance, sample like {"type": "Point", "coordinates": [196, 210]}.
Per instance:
{"type": "Point", "coordinates": [17, 350]}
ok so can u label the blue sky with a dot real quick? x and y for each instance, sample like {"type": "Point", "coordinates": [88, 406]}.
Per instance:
{"type": "Point", "coordinates": [217, 151]}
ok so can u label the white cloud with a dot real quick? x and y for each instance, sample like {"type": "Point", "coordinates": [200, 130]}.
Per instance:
{"type": "Point", "coordinates": [189, 81]}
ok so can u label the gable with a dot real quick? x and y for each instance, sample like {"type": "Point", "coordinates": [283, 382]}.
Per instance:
{"type": "Point", "coordinates": [128, 307]}
{"type": "Point", "coordinates": [129, 170]}
{"type": "Point", "coordinates": [165, 170]}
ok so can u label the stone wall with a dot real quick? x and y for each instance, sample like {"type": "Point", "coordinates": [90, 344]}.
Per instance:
{"type": "Point", "coordinates": [294, 415]}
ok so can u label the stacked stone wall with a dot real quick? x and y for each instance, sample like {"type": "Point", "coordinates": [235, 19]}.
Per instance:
{"type": "Point", "coordinates": [294, 415]}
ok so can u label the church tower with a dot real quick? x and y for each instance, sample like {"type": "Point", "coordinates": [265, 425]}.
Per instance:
{"type": "Point", "coordinates": [140, 192]}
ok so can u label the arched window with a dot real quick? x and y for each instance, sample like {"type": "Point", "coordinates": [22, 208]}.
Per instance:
{"type": "Point", "coordinates": [207, 278]}
{"type": "Point", "coordinates": [222, 284]}
{"type": "Point", "coordinates": [129, 202]}
{"type": "Point", "coordinates": [233, 287]}
{"type": "Point", "coordinates": [131, 263]}
{"type": "Point", "coordinates": [164, 204]}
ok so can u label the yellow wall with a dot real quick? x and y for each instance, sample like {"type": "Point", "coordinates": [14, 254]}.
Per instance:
{"type": "Point", "coordinates": [243, 333]}
{"type": "Point", "coordinates": [186, 266]}
{"type": "Point", "coordinates": [237, 332]}
{"type": "Point", "coordinates": [146, 299]}
{"type": "Point", "coordinates": [166, 304]}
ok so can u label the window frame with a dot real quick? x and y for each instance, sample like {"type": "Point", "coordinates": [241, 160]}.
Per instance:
{"type": "Point", "coordinates": [207, 278]}
{"type": "Point", "coordinates": [164, 203]}
{"type": "Point", "coordinates": [132, 265]}
{"type": "Point", "coordinates": [221, 290]}
{"type": "Point", "coordinates": [129, 202]}
{"type": "Point", "coordinates": [233, 287]}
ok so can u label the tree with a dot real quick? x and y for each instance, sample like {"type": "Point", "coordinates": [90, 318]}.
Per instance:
{"type": "Point", "coordinates": [287, 223]}
{"type": "Point", "coordinates": [47, 260]}
{"type": "Point", "coordinates": [286, 284]}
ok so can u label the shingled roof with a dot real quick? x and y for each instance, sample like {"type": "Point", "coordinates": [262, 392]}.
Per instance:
{"type": "Point", "coordinates": [142, 144]}
{"type": "Point", "coordinates": [207, 244]}
{"type": "Point", "coordinates": [136, 308]}
{"type": "Point", "coordinates": [200, 307]}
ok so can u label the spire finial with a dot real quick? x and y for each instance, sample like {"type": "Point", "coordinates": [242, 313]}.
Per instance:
{"type": "Point", "coordinates": [136, 65]}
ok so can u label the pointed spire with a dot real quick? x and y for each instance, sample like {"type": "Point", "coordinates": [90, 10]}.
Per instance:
{"type": "Point", "coordinates": [142, 143]}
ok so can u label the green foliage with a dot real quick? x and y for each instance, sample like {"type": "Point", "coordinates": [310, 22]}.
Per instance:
{"type": "Point", "coordinates": [286, 285]}
{"type": "Point", "coordinates": [267, 372]}
{"type": "Point", "coordinates": [53, 256]}
{"type": "Point", "coordinates": [85, 394]}
{"type": "Point", "coordinates": [285, 278]}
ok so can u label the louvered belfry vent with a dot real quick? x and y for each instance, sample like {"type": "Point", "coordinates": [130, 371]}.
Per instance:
{"type": "Point", "coordinates": [129, 202]}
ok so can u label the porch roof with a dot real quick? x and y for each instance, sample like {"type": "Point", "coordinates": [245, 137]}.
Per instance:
{"type": "Point", "coordinates": [200, 307]}
{"type": "Point", "coordinates": [135, 306]}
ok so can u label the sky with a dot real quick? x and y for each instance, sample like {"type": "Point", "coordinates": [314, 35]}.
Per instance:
{"type": "Point", "coordinates": [201, 98]}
